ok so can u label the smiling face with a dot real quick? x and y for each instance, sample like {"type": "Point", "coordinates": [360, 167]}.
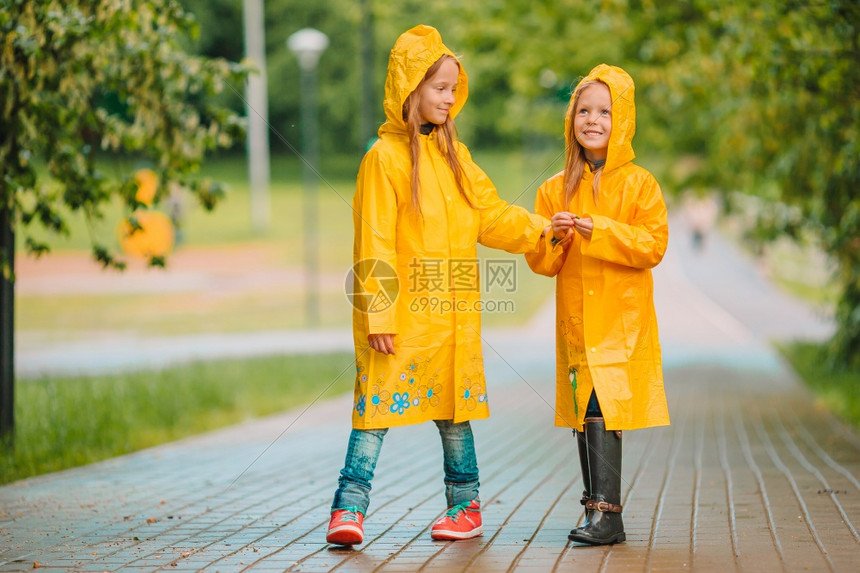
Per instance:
{"type": "Point", "coordinates": [592, 120]}
{"type": "Point", "coordinates": [437, 93]}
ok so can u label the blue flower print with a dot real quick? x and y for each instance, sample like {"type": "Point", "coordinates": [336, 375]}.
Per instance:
{"type": "Point", "coordinates": [360, 405]}
{"type": "Point", "coordinates": [400, 402]}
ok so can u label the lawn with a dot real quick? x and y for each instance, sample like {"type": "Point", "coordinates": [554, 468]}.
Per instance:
{"type": "Point", "coordinates": [67, 422]}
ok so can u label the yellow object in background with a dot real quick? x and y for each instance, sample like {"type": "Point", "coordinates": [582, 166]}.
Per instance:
{"type": "Point", "coordinates": [147, 184]}
{"type": "Point", "coordinates": [154, 238]}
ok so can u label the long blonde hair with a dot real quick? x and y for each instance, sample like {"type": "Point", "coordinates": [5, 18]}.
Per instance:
{"type": "Point", "coordinates": [446, 140]}
{"type": "Point", "coordinates": [574, 164]}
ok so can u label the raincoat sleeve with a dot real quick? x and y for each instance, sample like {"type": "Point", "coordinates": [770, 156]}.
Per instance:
{"type": "Point", "coordinates": [502, 225]}
{"type": "Point", "coordinates": [375, 216]}
{"type": "Point", "coordinates": [549, 258]}
{"type": "Point", "coordinates": [639, 244]}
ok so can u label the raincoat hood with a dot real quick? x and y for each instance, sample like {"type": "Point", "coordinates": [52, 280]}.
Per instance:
{"type": "Point", "coordinates": [621, 90]}
{"type": "Point", "coordinates": [412, 55]}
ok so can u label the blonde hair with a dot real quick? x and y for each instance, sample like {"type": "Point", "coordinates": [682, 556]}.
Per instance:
{"type": "Point", "coordinates": [446, 140]}
{"type": "Point", "coordinates": [574, 164]}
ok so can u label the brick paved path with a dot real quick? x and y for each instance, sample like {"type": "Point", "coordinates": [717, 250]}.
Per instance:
{"type": "Point", "coordinates": [751, 476]}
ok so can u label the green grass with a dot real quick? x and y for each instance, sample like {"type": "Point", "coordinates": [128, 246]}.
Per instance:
{"type": "Point", "coordinates": [839, 392]}
{"type": "Point", "coordinates": [67, 422]}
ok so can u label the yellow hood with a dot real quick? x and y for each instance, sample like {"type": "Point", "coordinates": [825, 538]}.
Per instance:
{"type": "Point", "coordinates": [412, 55]}
{"type": "Point", "coordinates": [623, 114]}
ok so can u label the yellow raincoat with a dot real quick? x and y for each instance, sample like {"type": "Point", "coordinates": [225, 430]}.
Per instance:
{"type": "Point", "coordinates": [606, 327]}
{"type": "Point", "coordinates": [433, 305]}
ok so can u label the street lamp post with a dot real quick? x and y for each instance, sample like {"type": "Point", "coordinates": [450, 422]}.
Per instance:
{"type": "Point", "coordinates": [308, 44]}
{"type": "Point", "coordinates": [258, 115]}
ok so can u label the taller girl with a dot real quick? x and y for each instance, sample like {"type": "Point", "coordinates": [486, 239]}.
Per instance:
{"type": "Point", "coordinates": [420, 207]}
{"type": "Point", "coordinates": [610, 228]}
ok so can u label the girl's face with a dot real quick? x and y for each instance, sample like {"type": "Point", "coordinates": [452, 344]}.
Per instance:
{"type": "Point", "coordinates": [436, 95]}
{"type": "Point", "coordinates": [592, 120]}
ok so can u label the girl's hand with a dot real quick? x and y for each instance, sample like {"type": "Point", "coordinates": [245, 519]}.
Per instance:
{"type": "Point", "coordinates": [562, 223]}
{"type": "Point", "coordinates": [383, 343]}
{"type": "Point", "coordinates": [584, 227]}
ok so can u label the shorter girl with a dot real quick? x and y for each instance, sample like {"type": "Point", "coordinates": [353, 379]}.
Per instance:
{"type": "Point", "coordinates": [609, 228]}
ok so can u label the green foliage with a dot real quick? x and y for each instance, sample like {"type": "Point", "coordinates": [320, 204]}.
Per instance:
{"type": "Point", "coordinates": [79, 80]}
{"type": "Point", "coordinates": [767, 93]}
{"type": "Point", "coordinates": [516, 73]}
{"type": "Point", "coordinates": [69, 422]}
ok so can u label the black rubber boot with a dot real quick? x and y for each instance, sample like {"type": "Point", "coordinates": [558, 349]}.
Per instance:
{"type": "Point", "coordinates": [586, 479]}
{"type": "Point", "coordinates": [604, 526]}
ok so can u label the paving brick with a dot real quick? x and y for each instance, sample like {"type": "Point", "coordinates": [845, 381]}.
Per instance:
{"type": "Point", "coordinates": [750, 476]}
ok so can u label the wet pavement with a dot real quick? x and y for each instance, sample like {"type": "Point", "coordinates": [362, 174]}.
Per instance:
{"type": "Point", "coordinates": [752, 475]}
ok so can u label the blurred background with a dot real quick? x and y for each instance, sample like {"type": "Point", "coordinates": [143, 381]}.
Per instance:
{"type": "Point", "coordinates": [746, 113]}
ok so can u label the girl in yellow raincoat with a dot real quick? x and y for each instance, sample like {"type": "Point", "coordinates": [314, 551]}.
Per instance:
{"type": "Point", "coordinates": [420, 207]}
{"type": "Point", "coordinates": [609, 228]}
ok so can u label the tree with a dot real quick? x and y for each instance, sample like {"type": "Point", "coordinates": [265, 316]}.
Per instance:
{"type": "Point", "coordinates": [79, 80]}
{"type": "Point", "coordinates": [806, 82]}
{"type": "Point", "coordinates": [766, 93]}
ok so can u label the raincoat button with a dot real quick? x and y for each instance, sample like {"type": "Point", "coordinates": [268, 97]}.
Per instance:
{"type": "Point", "coordinates": [591, 292]}
{"type": "Point", "coordinates": [594, 349]}
{"type": "Point", "coordinates": [459, 327]}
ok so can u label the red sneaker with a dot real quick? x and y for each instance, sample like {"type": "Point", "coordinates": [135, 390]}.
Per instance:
{"type": "Point", "coordinates": [462, 521]}
{"type": "Point", "coordinates": [346, 527]}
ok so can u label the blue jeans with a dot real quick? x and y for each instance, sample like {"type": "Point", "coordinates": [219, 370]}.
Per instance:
{"type": "Point", "coordinates": [459, 463]}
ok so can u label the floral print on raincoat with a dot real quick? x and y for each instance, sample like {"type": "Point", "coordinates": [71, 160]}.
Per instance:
{"type": "Point", "coordinates": [606, 327]}
{"type": "Point", "coordinates": [437, 371]}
